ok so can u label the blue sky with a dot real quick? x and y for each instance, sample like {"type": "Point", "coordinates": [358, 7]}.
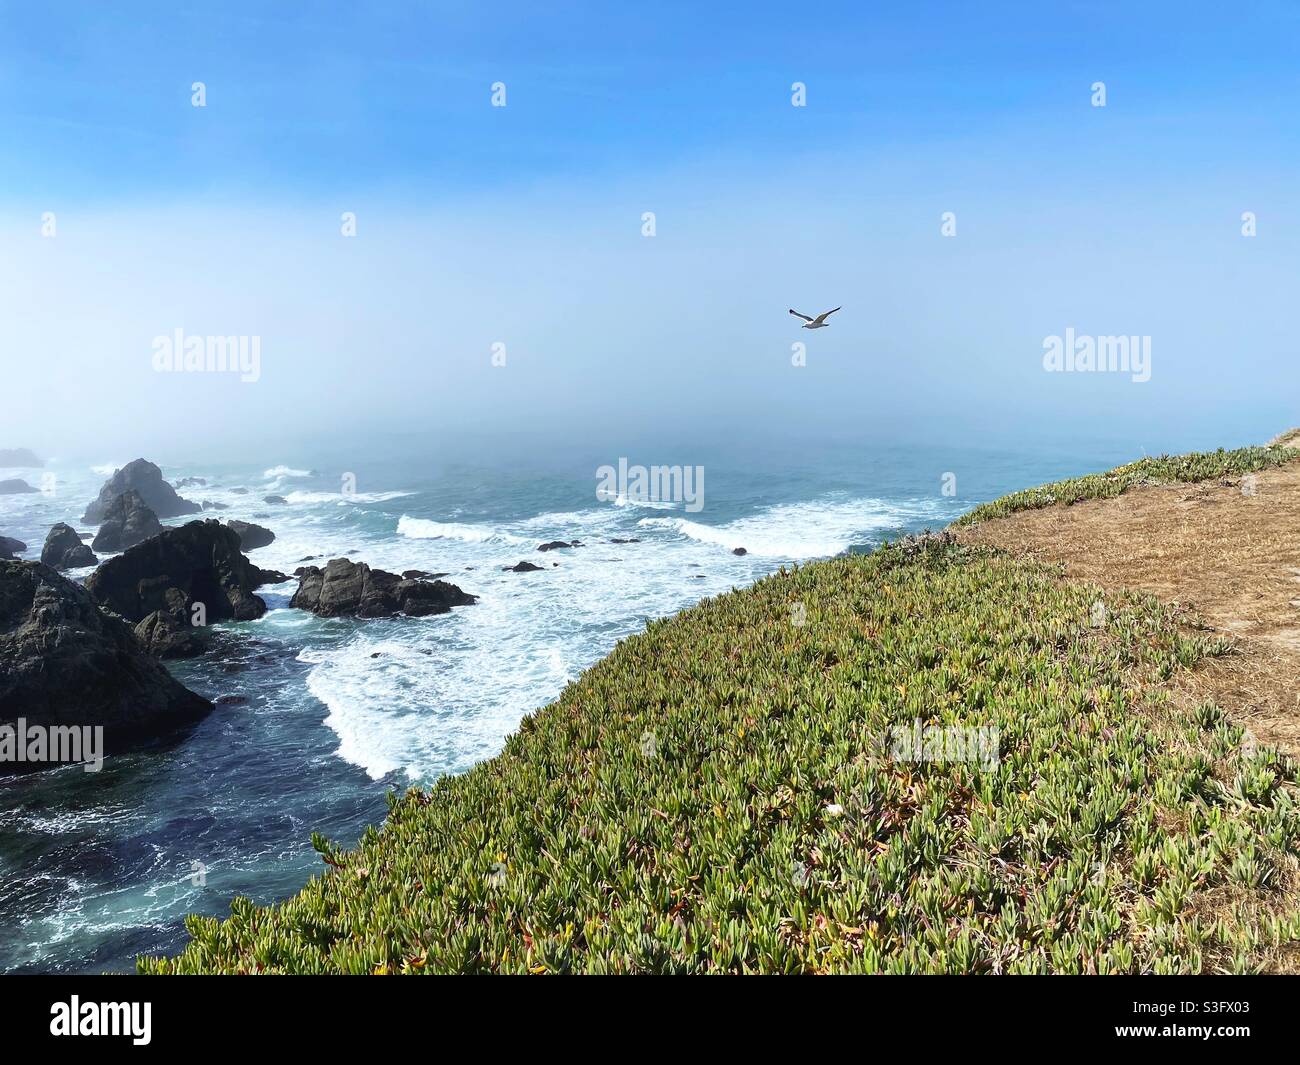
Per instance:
{"type": "Point", "coordinates": [521, 224]}
{"type": "Point", "coordinates": [319, 98]}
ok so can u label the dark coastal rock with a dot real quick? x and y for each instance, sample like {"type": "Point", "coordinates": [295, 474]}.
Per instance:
{"type": "Point", "coordinates": [16, 487]}
{"type": "Point", "coordinates": [170, 632]}
{"type": "Point", "coordinates": [64, 662]}
{"type": "Point", "coordinates": [209, 505]}
{"type": "Point", "coordinates": [275, 501]}
{"type": "Point", "coordinates": [19, 458]}
{"type": "Point", "coordinates": [420, 575]}
{"type": "Point", "coordinates": [739, 551]}
{"type": "Point", "coordinates": [64, 550]}
{"type": "Point", "coordinates": [147, 479]}
{"type": "Point", "coordinates": [559, 543]}
{"type": "Point", "coordinates": [200, 560]}
{"type": "Point", "coordinates": [271, 576]}
{"type": "Point", "coordinates": [633, 540]}
{"type": "Point", "coordinates": [522, 567]}
{"type": "Point", "coordinates": [191, 482]}
{"type": "Point", "coordinates": [127, 521]}
{"type": "Point", "coordinates": [352, 589]}
{"type": "Point", "coordinates": [10, 547]}
{"type": "Point", "coordinates": [251, 536]}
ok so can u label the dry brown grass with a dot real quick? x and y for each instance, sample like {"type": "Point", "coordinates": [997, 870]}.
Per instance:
{"type": "Point", "coordinates": [1227, 552]}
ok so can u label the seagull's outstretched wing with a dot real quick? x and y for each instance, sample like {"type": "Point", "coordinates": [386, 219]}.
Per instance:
{"type": "Point", "coordinates": [798, 315]}
{"type": "Point", "coordinates": [822, 317]}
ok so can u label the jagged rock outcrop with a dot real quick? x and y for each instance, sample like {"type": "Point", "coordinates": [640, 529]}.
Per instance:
{"type": "Point", "coordinates": [201, 560]}
{"type": "Point", "coordinates": [10, 547]}
{"type": "Point", "coordinates": [63, 549]}
{"type": "Point", "coordinates": [352, 589]}
{"type": "Point", "coordinates": [64, 662]}
{"type": "Point", "coordinates": [127, 521]}
{"type": "Point", "coordinates": [251, 536]}
{"type": "Point", "coordinates": [16, 487]}
{"type": "Point", "coordinates": [147, 479]}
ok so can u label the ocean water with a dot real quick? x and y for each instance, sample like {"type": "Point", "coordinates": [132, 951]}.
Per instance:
{"type": "Point", "coordinates": [322, 718]}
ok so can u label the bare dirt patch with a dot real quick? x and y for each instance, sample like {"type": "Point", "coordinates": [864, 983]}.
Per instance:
{"type": "Point", "coordinates": [1226, 551]}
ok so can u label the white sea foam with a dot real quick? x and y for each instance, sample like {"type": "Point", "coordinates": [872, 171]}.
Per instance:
{"type": "Point", "coordinates": [285, 471]}
{"type": "Point", "coordinates": [621, 500]}
{"type": "Point", "coordinates": [397, 709]}
{"type": "Point", "coordinates": [107, 469]}
{"type": "Point", "coordinates": [424, 529]}
{"type": "Point", "coordinates": [343, 498]}
{"type": "Point", "coordinates": [804, 530]}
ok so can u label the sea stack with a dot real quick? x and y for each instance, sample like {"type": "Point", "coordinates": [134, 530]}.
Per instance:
{"type": "Point", "coordinates": [147, 479]}
{"type": "Point", "coordinates": [127, 521]}
{"type": "Point", "coordinates": [64, 550]}
{"type": "Point", "coordinates": [176, 583]}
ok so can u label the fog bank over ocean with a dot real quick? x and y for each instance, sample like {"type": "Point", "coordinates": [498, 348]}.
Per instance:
{"type": "Point", "coordinates": [609, 335]}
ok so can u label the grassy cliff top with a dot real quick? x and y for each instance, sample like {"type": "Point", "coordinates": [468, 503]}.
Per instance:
{"type": "Point", "coordinates": [1162, 469]}
{"type": "Point", "coordinates": [934, 758]}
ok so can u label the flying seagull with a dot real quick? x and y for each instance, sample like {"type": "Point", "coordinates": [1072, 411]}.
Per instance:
{"type": "Point", "coordinates": [814, 323]}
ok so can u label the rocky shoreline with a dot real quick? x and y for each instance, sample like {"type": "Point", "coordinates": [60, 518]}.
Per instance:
{"type": "Point", "coordinates": [88, 655]}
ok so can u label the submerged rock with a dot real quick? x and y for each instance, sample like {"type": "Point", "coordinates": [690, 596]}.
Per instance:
{"type": "Point", "coordinates": [147, 479]}
{"type": "Point", "coordinates": [251, 536]}
{"type": "Point", "coordinates": [632, 540]}
{"type": "Point", "coordinates": [522, 567]}
{"type": "Point", "coordinates": [64, 550]}
{"type": "Point", "coordinates": [739, 551]}
{"type": "Point", "coordinates": [559, 543]}
{"type": "Point", "coordinates": [127, 521]}
{"type": "Point", "coordinates": [209, 505]}
{"type": "Point", "coordinates": [200, 560]}
{"type": "Point", "coordinates": [191, 482]}
{"type": "Point", "coordinates": [64, 662]}
{"type": "Point", "coordinates": [352, 589]}
{"type": "Point", "coordinates": [275, 501]}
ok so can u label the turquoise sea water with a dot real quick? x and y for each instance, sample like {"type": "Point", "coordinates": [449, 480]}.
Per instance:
{"type": "Point", "coordinates": [321, 718]}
